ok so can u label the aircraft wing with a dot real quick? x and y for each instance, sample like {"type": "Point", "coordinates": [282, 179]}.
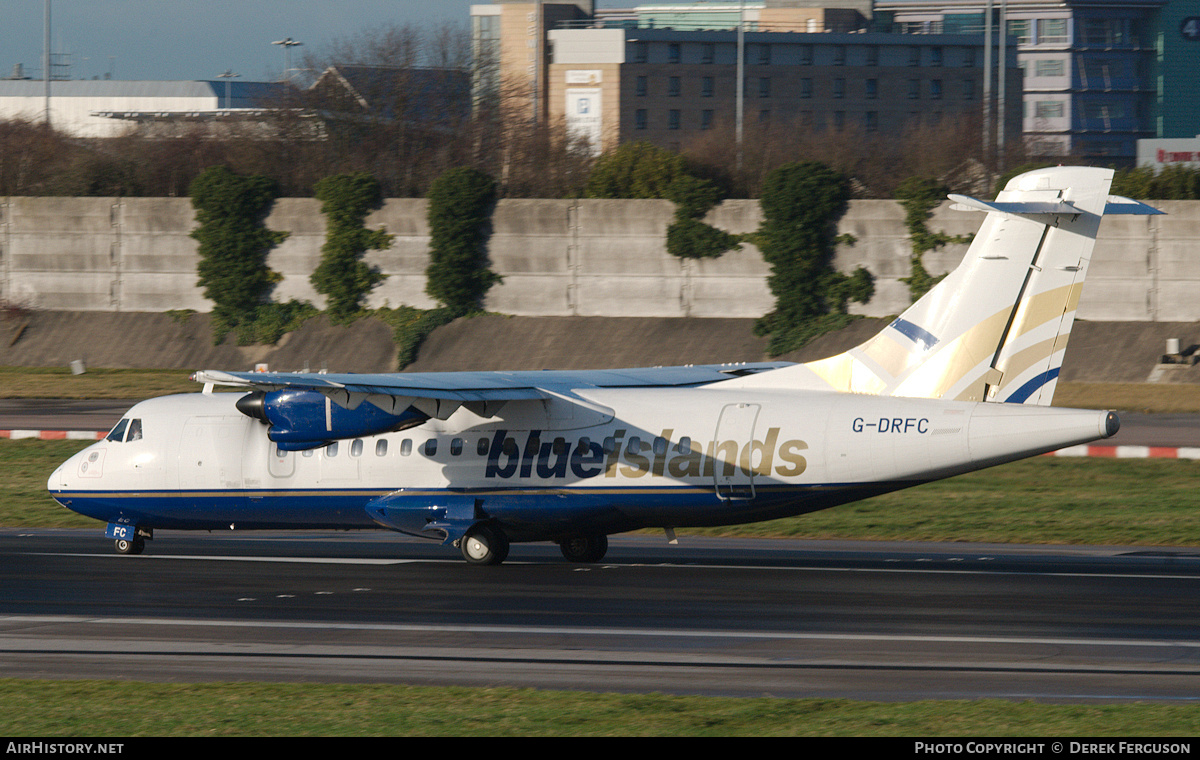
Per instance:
{"type": "Point", "coordinates": [476, 388]}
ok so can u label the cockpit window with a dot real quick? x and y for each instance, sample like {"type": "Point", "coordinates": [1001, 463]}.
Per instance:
{"type": "Point", "coordinates": [126, 430]}
{"type": "Point", "coordinates": [118, 432]}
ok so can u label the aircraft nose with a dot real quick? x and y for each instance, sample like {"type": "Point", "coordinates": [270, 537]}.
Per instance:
{"type": "Point", "coordinates": [55, 481]}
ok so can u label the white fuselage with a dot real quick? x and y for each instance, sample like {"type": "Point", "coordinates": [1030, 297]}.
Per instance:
{"type": "Point", "coordinates": [615, 458]}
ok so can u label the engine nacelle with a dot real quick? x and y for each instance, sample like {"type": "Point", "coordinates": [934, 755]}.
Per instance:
{"type": "Point", "coordinates": [302, 420]}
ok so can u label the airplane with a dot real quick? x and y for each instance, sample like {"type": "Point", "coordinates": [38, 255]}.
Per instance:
{"type": "Point", "coordinates": [960, 381]}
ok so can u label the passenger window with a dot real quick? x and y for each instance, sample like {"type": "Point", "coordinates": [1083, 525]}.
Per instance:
{"type": "Point", "coordinates": [482, 447]}
{"type": "Point", "coordinates": [456, 446]}
{"type": "Point", "coordinates": [331, 450]}
{"type": "Point", "coordinates": [118, 433]}
{"type": "Point", "coordinates": [356, 448]}
{"type": "Point", "coordinates": [431, 447]}
{"type": "Point", "coordinates": [381, 447]}
{"type": "Point", "coordinates": [406, 447]}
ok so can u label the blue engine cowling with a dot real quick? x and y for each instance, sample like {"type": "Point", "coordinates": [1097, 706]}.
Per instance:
{"type": "Point", "coordinates": [302, 420]}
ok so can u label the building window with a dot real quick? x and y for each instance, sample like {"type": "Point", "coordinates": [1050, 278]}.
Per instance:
{"type": "Point", "coordinates": [839, 88]}
{"type": "Point", "coordinates": [706, 87]}
{"type": "Point", "coordinates": [871, 121]}
{"type": "Point", "coordinates": [805, 55]}
{"type": "Point", "coordinates": [1048, 109]}
{"type": "Point", "coordinates": [764, 87]}
{"type": "Point", "coordinates": [935, 89]}
{"type": "Point", "coordinates": [708, 52]}
{"type": "Point", "coordinates": [642, 86]}
{"type": "Point", "coordinates": [706, 119]}
{"type": "Point", "coordinates": [839, 119]}
{"type": "Point", "coordinates": [806, 88]}
{"type": "Point", "coordinates": [968, 89]}
{"type": "Point", "coordinates": [641, 52]}
{"type": "Point", "coordinates": [764, 116]}
{"type": "Point", "coordinates": [839, 55]}
{"type": "Point", "coordinates": [1105, 32]}
{"type": "Point", "coordinates": [1049, 67]}
{"type": "Point", "coordinates": [914, 89]}
{"type": "Point", "coordinates": [673, 87]}
{"type": "Point", "coordinates": [968, 58]}
{"type": "Point", "coordinates": [872, 89]}
{"type": "Point", "coordinates": [673, 119]}
{"type": "Point", "coordinates": [673, 52]}
{"type": "Point", "coordinates": [764, 55]}
{"type": "Point", "coordinates": [1052, 31]}
{"type": "Point", "coordinates": [872, 55]}
{"type": "Point", "coordinates": [1019, 28]}
{"type": "Point", "coordinates": [639, 118]}
{"type": "Point", "coordinates": [935, 56]}
{"type": "Point", "coordinates": [914, 56]}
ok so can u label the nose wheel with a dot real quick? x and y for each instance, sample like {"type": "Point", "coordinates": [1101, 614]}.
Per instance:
{"type": "Point", "coordinates": [484, 545]}
{"type": "Point", "coordinates": [130, 545]}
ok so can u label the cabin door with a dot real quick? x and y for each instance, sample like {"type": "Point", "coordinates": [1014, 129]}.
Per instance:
{"type": "Point", "coordinates": [733, 475]}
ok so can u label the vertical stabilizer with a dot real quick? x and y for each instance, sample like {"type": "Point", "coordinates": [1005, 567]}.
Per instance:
{"type": "Point", "coordinates": [996, 328]}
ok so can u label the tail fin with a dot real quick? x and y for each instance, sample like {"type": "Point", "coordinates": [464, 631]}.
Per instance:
{"type": "Point", "coordinates": [996, 328]}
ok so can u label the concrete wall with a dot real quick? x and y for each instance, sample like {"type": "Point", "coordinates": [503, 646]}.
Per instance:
{"type": "Point", "coordinates": [557, 258]}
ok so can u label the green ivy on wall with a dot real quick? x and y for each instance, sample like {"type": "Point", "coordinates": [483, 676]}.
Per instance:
{"type": "Point", "coordinates": [460, 209]}
{"type": "Point", "coordinates": [642, 170]}
{"type": "Point", "coordinates": [919, 196]}
{"type": "Point", "coordinates": [234, 244]}
{"type": "Point", "coordinates": [801, 204]}
{"type": "Point", "coordinates": [342, 276]}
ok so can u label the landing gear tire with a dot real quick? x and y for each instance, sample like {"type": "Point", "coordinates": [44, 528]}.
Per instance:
{"type": "Point", "coordinates": [484, 545]}
{"type": "Point", "coordinates": [584, 548]}
{"type": "Point", "coordinates": [129, 545]}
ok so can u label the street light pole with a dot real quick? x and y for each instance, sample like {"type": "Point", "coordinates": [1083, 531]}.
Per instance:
{"type": "Point", "coordinates": [228, 77]}
{"type": "Point", "coordinates": [287, 43]}
{"type": "Point", "coordinates": [741, 80]}
{"type": "Point", "coordinates": [46, 58]}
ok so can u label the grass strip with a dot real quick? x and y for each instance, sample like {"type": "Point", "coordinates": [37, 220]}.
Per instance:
{"type": "Point", "coordinates": [118, 709]}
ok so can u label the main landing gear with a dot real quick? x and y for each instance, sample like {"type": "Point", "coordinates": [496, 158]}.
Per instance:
{"type": "Point", "coordinates": [584, 548]}
{"type": "Point", "coordinates": [487, 545]}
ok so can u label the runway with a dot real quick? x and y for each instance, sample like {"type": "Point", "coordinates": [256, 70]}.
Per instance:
{"type": "Point", "coordinates": [709, 616]}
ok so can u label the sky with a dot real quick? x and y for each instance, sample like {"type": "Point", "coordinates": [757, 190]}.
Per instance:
{"type": "Point", "coordinates": [199, 39]}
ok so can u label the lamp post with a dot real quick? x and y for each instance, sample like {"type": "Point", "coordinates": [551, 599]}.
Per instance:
{"type": "Point", "coordinates": [46, 58]}
{"type": "Point", "coordinates": [228, 77]}
{"type": "Point", "coordinates": [740, 92]}
{"type": "Point", "coordinates": [287, 43]}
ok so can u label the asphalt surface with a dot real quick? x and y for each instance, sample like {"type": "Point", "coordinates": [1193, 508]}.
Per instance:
{"type": "Point", "coordinates": [710, 616]}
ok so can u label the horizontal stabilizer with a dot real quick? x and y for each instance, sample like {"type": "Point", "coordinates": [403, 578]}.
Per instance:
{"type": "Point", "coordinates": [1114, 205]}
{"type": "Point", "coordinates": [1118, 205]}
{"type": "Point", "coordinates": [966, 203]}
